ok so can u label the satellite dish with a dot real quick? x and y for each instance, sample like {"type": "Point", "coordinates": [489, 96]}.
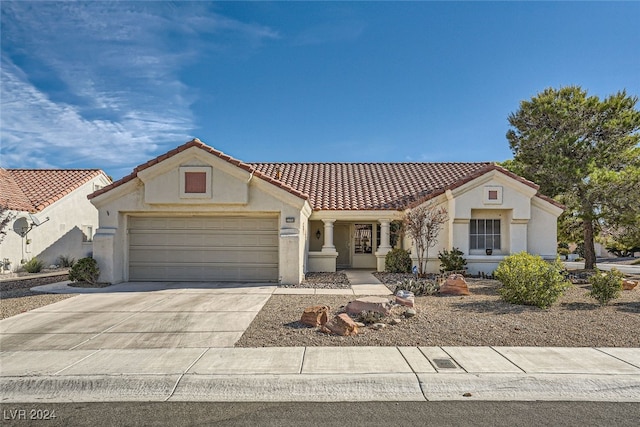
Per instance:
{"type": "Point", "coordinates": [35, 220]}
{"type": "Point", "coordinates": [21, 226]}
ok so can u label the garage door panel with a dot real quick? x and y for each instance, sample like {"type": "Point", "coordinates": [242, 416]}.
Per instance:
{"type": "Point", "coordinates": [203, 248]}
{"type": "Point", "coordinates": [198, 223]}
{"type": "Point", "coordinates": [199, 255]}
{"type": "Point", "coordinates": [226, 239]}
{"type": "Point", "coordinates": [195, 273]}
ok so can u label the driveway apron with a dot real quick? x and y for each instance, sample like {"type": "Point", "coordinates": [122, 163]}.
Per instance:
{"type": "Point", "coordinates": [175, 315]}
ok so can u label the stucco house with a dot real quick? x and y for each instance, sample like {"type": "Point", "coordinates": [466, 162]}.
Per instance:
{"type": "Point", "coordinates": [51, 215]}
{"type": "Point", "coordinates": [197, 214]}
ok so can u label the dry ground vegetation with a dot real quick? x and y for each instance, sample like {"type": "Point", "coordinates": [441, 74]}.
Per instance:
{"type": "Point", "coordinates": [480, 319]}
{"type": "Point", "coordinates": [16, 296]}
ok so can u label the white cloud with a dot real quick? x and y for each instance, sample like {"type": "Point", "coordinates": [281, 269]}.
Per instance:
{"type": "Point", "coordinates": [39, 133]}
{"type": "Point", "coordinates": [98, 84]}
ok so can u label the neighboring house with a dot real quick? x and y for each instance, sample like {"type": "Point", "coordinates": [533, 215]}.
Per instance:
{"type": "Point", "coordinates": [196, 214]}
{"type": "Point", "coordinates": [51, 214]}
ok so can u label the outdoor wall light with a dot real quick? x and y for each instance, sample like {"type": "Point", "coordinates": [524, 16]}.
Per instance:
{"type": "Point", "coordinates": [318, 234]}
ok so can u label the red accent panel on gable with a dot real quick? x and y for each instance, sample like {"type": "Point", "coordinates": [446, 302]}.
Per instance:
{"type": "Point", "coordinates": [195, 182]}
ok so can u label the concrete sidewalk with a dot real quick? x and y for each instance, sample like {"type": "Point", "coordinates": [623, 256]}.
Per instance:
{"type": "Point", "coordinates": [363, 282]}
{"type": "Point", "coordinates": [322, 374]}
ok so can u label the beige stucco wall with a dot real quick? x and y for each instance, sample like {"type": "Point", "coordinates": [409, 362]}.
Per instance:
{"type": "Point", "coordinates": [543, 222]}
{"type": "Point", "coordinates": [61, 235]}
{"type": "Point", "coordinates": [528, 223]}
{"type": "Point", "coordinates": [235, 192]}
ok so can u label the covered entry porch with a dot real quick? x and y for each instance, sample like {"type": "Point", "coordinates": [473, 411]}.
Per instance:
{"type": "Point", "coordinates": [357, 243]}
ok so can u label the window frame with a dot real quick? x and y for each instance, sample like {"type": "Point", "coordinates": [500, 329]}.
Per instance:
{"type": "Point", "coordinates": [488, 190]}
{"type": "Point", "coordinates": [360, 240]}
{"type": "Point", "coordinates": [487, 234]}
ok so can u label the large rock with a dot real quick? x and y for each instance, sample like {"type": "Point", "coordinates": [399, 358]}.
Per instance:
{"type": "Point", "coordinates": [455, 285]}
{"type": "Point", "coordinates": [405, 298]}
{"type": "Point", "coordinates": [342, 324]}
{"type": "Point", "coordinates": [315, 316]}
{"type": "Point", "coordinates": [377, 304]}
{"type": "Point", "coordinates": [628, 285]}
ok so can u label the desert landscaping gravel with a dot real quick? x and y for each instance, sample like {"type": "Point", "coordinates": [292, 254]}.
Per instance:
{"type": "Point", "coordinates": [337, 280]}
{"type": "Point", "coordinates": [480, 319]}
{"type": "Point", "coordinates": [16, 296]}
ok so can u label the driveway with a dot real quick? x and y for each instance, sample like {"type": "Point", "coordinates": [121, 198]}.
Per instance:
{"type": "Point", "coordinates": [603, 265]}
{"type": "Point", "coordinates": [139, 315]}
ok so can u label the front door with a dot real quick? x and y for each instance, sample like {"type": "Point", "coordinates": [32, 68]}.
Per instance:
{"type": "Point", "coordinates": [342, 242]}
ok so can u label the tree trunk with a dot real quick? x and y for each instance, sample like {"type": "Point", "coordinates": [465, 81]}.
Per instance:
{"type": "Point", "coordinates": [426, 260]}
{"type": "Point", "coordinates": [589, 247]}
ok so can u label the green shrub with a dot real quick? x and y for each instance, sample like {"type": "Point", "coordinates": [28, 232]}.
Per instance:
{"type": "Point", "coordinates": [397, 261]}
{"type": "Point", "coordinates": [528, 279]}
{"type": "Point", "coordinates": [606, 286]}
{"type": "Point", "coordinates": [451, 261]}
{"type": "Point", "coordinates": [34, 265]}
{"type": "Point", "coordinates": [85, 270]}
{"type": "Point", "coordinates": [418, 287]}
{"type": "Point", "coordinates": [66, 261]}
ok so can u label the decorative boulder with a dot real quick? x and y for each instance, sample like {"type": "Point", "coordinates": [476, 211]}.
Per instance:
{"type": "Point", "coordinates": [405, 298]}
{"type": "Point", "coordinates": [315, 316]}
{"type": "Point", "coordinates": [455, 285]}
{"type": "Point", "coordinates": [342, 324]}
{"type": "Point", "coordinates": [628, 285]}
{"type": "Point", "coordinates": [377, 304]}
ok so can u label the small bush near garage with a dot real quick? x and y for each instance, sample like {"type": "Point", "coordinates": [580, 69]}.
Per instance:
{"type": "Point", "coordinates": [452, 260]}
{"type": "Point", "coordinates": [529, 280]}
{"type": "Point", "coordinates": [34, 265]}
{"type": "Point", "coordinates": [606, 286]}
{"type": "Point", "coordinates": [397, 261]}
{"type": "Point", "coordinates": [85, 270]}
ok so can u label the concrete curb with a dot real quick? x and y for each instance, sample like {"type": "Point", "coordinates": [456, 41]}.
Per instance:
{"type": "Point", "coordinates": [322, 374]}
{"type": "Point", "coordinates": [321, 388]}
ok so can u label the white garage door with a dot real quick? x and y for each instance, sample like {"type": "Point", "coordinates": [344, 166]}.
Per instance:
{"type": "Point", "coordinates": [203, 249]}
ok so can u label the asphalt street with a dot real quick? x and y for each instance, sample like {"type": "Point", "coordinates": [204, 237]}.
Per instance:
{"type": "Point", "coordinates": [441, 414]}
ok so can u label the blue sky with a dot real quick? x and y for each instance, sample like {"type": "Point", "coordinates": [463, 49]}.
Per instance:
{"type": "Point", "coordinates": [111, 85]}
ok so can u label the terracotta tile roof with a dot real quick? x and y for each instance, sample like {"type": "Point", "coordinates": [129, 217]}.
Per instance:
{"type": "Point", "coordinates": [32, 190]}
{"type": "Point", "coordinates": [352, 186]}
{"type": "Point", "coordinates": [370, 186]}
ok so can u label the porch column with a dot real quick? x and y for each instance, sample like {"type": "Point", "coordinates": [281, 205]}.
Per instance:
{"type": "Point", "coordinates": [385, 245]}
{"type": "Point", "coordinates": [385, 234]}
{"type": "Point", "coordinates": [328, 245]}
